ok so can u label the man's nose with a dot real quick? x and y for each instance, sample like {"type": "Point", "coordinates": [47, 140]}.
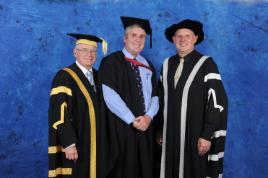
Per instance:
{"type": "Point", "coordinates": [182, 38]}
{"type": "Point", "coordinates": [137, 39]}
{"type": "Point", "coordinates": [89, 53]}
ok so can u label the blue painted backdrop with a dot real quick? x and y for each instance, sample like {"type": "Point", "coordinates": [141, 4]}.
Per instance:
{"type": "Point", "coordinates": [33, 46]}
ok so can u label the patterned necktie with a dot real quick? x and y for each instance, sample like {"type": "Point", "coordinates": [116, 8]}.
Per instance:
{"type": "Point", "coordinates": [89, 75]}
{"type": "Point", "coordinates": [178, 72]}
{"type": "Point", "coordinates": [138, 77]}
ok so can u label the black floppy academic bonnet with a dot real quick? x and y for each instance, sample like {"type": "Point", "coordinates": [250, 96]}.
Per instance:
{"type": "Point", "coordinates": [195, 26]}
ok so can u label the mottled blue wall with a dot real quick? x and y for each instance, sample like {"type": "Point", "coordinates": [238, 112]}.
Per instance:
{"type": "Point", "coordinates": [33, 46]}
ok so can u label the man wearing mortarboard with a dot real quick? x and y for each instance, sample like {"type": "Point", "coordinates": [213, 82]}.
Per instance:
{"type": "Point", "coordinates": [129, 87]}
{"type": "Point", "coordinates": [195, 108]}
{"type": "Point", "coordinates": [74, 114]}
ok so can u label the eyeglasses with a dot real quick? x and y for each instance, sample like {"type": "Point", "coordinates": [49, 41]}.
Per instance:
{"type": "Point", "coordinates": [85, 50]}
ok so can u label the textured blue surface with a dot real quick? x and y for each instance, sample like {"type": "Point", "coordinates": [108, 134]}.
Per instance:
{"type": "Point", "coordinates": [34, 46]}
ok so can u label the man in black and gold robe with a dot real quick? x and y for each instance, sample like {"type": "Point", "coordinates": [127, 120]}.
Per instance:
{"type": "Point", "coordinates": [195, 108]}
{"type": "Point", "coordinates": [129, 88]}
{"type": "Point", "coordinates": [74, 118]}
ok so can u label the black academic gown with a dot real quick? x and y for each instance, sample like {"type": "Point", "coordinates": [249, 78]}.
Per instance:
{"type": "Point", "coordinates": [73, 118]}
{"type": "Point", "coordinates": [206, 117]}
{"type": "Point", "coordinates": [130, 150]}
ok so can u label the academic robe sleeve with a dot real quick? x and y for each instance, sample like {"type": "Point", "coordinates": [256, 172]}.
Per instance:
{"type": "Point", "coordinates": [60, 109]}
{"type": "Point", "coordinates": [155, 91]}
{"type": "Point", "coordinates": [159, 120]}
{"type": "Point", "coordinates": [154, 104]}
{"type": "Point", "coordinates": [108, 73]}
{"type": "Point", "coordinates": [108, 79]}
{"type": "Point", "coordinates": [216, 108]}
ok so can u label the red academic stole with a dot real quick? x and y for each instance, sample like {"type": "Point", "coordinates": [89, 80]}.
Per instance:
{"type": "Point", "coordinates": [137, 63]}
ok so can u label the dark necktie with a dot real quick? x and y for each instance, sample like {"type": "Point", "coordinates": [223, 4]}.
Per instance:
{"type": "Point", "coordinates": [138, 78]}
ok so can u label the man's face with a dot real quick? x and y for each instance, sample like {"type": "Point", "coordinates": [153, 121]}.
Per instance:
{"type": "Point", "coordinates": [184, 40]}
{"type": "Point", "coordinates": [134, 40]}
{"type": "Point", "coordinates": [85, 55]}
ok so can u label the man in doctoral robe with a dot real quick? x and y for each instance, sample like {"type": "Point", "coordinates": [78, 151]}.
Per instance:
{"type": "Point", "coordinates": [129, 87]}
{"type": "Point", "coordinates": [74, 119]}
{"type": "Point", "coordinates": [195, 108]}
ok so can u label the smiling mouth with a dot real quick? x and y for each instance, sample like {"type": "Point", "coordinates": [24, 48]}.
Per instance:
{"type": "Point", "coordinates": [137, 46]}
{"type": "Point", "coordinates": [182, 44]}
{"type": "Point", "coordinates": [89, 59]}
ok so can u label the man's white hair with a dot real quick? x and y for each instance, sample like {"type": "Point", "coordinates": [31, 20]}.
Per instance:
{"type": "Point", "coordinates": [131, 27]}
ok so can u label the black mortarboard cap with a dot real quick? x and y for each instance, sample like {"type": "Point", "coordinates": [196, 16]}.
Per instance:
{"type": "Point", "coordinates": [143, 23]}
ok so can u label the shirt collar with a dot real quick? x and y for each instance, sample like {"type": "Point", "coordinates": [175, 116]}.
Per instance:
{"type": "Point", "coordinates": [84, 70]}
{"type": "Point", "coordinates": [128, 55]}
{"type": "Point", "coordinates": [188, 57]}
{"type": "Point", "coordinates": [138, 57]}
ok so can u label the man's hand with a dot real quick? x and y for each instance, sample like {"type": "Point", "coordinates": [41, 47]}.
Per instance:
{"type": "Point", "coordinates": [159, 139]}
{"type": "Point", "coordinates": [203, 146]}
{"type": "Point", "coordinates": [71, 153]}
{"type": "Point", "coordinates": [142, 122]}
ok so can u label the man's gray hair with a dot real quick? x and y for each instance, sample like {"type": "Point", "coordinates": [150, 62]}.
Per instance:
{"type": "Point", "coordinates": [131, 27]}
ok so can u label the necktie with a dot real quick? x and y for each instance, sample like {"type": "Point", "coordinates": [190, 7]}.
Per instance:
{"type": "Point", "coordinates": [90, 78]}
{"type": "Point", "coordinates": [178, 72]}
{"type": "Point", "coordinates": [138, 77]}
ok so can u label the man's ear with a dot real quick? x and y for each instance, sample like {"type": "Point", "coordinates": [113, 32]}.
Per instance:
{"type": "Point", "coordinates": [125, 37]}
{"type": "Point", "coordinates": [173, 39]}
{"type": "Point", "coordinates": [196, 38]}
{"type": "Point", "coordinates": [74, 52]}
